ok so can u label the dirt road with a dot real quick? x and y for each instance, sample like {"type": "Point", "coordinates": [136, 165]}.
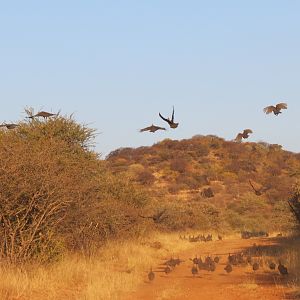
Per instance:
{"type": "Point", "coordinates": [242, 284]}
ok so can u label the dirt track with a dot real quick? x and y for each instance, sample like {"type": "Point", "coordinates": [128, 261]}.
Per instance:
{"type": "Point", "coordinates": [241, 284]}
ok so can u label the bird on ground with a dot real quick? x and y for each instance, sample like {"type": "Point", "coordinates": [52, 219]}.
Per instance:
{"type": "Point", "coordinates": [243, 135]}
{"type": "Point", "coordinates": [217, 259]}
{"type": "Point", "coordinates": [228, 268]}
{"type": "Point", "coordinates": [9, 125]}
{"type": "Point", "coordinates": [178, 261]}
{"type": "Point", "coordinates": [258, 192]}
{"type": "Point", "coordinates": [282, 269]}
{"type": "Point", "coordinates": [249, 259]}
{"type": "Point", "coordinates": [195, 260]}
{"type": "Point", "coordinates": [167, 270]}
{"type": "Point", "coordinates": [194, 270]}
{"type": "Point", "coordinates": [212, 266]}
{"type": "Point", "coordinates": [151, 275]}
{"type": "Point", "coordinates": [232, 259]}
{"type": "Point", "coordinates": [220, 237]}
{"type": "Point", "coordinates": [275, 109]}
{"type": "Point", "coordinates": [171, 122]}
{"type": "Point", "coordinates": [272, 265]}
{"type": "Point", "coordinates": [43, 114]}
{"type": "Point", "coordinates": [255, 266]}
{"type": "Point", "coordinates": [152, 128]}
{"type": "Point", "coordinates": [172, 262]}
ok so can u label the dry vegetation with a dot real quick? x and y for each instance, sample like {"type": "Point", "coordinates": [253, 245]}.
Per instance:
{"type": "Point", "coordinates": [71, 225]}
{"type": "Point", "coordinates": [111, 271]}
{"type": "Point", "coordinates": [204, 182]}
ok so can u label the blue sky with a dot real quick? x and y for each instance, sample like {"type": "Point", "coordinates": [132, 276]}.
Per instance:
{"type": "Point", "coordinates": [115, 64]}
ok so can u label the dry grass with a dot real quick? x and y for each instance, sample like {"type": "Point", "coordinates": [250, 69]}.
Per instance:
{"type": "Point", "coordinates": [117, 269]}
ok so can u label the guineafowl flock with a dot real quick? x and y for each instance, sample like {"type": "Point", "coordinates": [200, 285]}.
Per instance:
{"type": "Point", "coordinates": [250, 261]}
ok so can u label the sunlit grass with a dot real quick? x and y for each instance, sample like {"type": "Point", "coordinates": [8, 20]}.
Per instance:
{"type": "Point", "coordinates": [117, 268]}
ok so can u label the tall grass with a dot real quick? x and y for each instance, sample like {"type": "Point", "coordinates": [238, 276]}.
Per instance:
{"type": "Point", "coordinates": [117, 268]}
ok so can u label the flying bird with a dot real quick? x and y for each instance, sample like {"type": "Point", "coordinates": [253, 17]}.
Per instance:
{"type": "Point", "coordinates": [275, 109]}
{"type": "Point", "coordinates": [152, 128]}
{"type": "Point", "coordinates": [9, 126]}
{"type": "Point", "coordinates": [258, 192]}
{"type": "Point", "coordinates": [43, 114]}
{"type": "Point", "coordinates": [170, 122]}
{"type": "Point", "coordinates": [243, 135]}
{"type": "Point", "coordinates": [158, 217]}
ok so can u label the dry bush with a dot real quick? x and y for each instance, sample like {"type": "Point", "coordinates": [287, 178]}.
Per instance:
{"type": "Point", "coordinates": [42, 172]}
{"type": "Point", "coordinates": [294, 202]}
{"type": "Point", "coordinates": [179, 165]}
{"type": "Point", "coordinates": [55, 189]}
{"type": "Point", "coordinates": [145, 177]}
{"type": "Point", "coordinates": [188, 181]}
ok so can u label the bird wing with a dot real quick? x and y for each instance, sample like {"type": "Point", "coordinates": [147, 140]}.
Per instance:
{"type": "Point", "coordinates": [252, 186]}
{"type": "Point", "coordinates": [159, 214]}
{"type": "Point", "coordinates": [269, 109]}
{"type": "Point", "coordinates": [167, 120]}
{"type": "Point", "coordinates": [146, 128]}
{"type": "Point", "coordinates": [239, 137]}
{"type": "Point", "coordinates": [281, 106]}
{"type": "Point", "coordinates": [247, 131]}
{"type": "Point", "coordinates": [172, 120]}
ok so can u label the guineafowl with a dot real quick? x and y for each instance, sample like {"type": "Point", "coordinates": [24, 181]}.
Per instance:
{"type": "Point", "coordinates": [228, 268]}
{"type": "Point", "coordinates": [217, 259]}
{"type": "Point", "coordinates": [151, 275]}
{"type": "Point", "coordinates": [194, 270]}
{"type": "Point", "coordinates": [272, 265]}
{"type": "Point", "coordinates": [282, 269]}
{"type": "Point", "coordinates": [255, 266]}
{"type": "Point", "coordinates": [167, 270]}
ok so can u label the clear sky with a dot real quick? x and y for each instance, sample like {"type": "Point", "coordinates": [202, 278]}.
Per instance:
{"type": "Point", "coordinates": [115, 64]}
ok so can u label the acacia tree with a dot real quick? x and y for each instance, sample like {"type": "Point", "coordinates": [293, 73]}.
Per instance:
{"type": "Point", "coordinates": [45, 169]}
{"type": "Point", "coordinates": [294, 202]}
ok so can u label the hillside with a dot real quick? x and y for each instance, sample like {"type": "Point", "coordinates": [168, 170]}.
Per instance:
{"type": "Point", "coordinates": [212, 175]}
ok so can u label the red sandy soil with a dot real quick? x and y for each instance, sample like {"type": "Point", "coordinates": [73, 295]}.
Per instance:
{"type": "Point", "coordinates": [241, 284]}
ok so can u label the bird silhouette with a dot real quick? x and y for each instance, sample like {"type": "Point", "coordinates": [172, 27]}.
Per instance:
{"type": "Point", "coordinates": [194, 270]}
{"type": "Point", "coordinates": [9, 125]}
{"type": "Point", "coordinates": [275, 109]}
{"type": "Point", "coordinates": [152, 128]}
{"type": "Point", "coordinates": [255, 266]}
{"type": "Point", "coordinates": [258, 192]}
{"type": "Point", "coordinates": [43, 114]}
{"type": "Point", "coordinates": [158, 217]}
{"type": "Point", "coordinates": [272, 265]}
{"type": "Point", "coordinates": [217, 259]}
{"type": "Point", "coordinates": [151, 275]}
{"type": "Point", "coordinates": [282, 269]}
{"type": "Point", "coordinates": [243, 135]}
{"type": "Point", "coordinates": [167, 270]}
{"type": "Point", "coordinates": [228, 268]}
{"type": "Point", "coordinates": [170, 121]}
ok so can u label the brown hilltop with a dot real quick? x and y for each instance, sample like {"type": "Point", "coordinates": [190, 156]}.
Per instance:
{"type": "Point", "coordinates": [211, 172]}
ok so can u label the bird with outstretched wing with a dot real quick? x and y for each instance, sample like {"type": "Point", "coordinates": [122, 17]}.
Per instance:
{"type": "Point", "coordinates": [275, 109]}
{"type": "Point", "coordinates": [9, 125]}
{"type": "Point", "coordinates": [43, 114]}
{"type": "Point", "coordinates": [243, 135]}
{"type": "Point", "coordinates": [152, 128]}
{"type": "Point", "coordinates": [260, 191]}
{"type": "Point", "coordinates": [171, 122]}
